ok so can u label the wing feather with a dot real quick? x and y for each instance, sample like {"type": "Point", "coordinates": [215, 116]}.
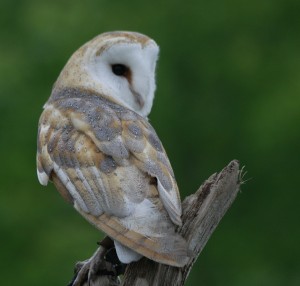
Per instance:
{"type": "Point", "coordinates": [103, 162]}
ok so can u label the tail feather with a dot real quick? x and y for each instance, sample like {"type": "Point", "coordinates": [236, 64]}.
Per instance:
{"type": "Point", "coordinates": [171, 249]}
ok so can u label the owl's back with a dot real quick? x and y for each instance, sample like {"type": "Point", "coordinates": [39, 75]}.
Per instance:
{"type": "Point", "coordinates": [109, 163]}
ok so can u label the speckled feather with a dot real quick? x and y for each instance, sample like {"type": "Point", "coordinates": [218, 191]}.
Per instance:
{"type": "Point", "coordinates": [108, 161]}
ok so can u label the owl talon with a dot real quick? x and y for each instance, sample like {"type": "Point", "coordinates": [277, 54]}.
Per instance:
{"type": "Point", "coordinates": [81, 273]}
{"type": "Point", "coordinates": [95, 271]}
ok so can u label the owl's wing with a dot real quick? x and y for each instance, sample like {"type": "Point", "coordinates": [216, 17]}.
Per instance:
{"type": "Point", "coordinates": [107, 161]}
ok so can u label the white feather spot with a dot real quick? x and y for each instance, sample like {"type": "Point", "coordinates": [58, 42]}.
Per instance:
{"type": "Point", "coordinates": [44, 128]}
{"type": "Point", "coordinates": [93, 202]}
{"type": "Point", "coordinates": [125, 254]}
{"type": "Point", "coordinates": [43, 178]}
{"type": "Point", "coordinates": [79, 124]}
{"type": "Point", "coordinates": [70, 187]}
{"type": "Point", "coordinates": [171, 203]}
{"type": "Point", "coordinates": [100, 193]}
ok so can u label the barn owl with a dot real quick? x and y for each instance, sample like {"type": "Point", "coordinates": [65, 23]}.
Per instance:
{"type": "Point", "coordinates": [96, 145]}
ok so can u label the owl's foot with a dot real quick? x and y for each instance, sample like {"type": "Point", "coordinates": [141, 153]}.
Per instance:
{"type": "Point", "coordinates": [103, 268]}
{"type": "Point", "coordinates": [111, 256]}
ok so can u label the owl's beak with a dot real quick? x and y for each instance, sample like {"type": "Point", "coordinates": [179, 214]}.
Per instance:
{"type": "Point", "coordinates": [138, 98]}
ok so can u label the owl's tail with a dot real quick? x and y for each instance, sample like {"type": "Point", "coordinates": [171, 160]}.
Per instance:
{"type": "Point", "coordinates": [168, 249]}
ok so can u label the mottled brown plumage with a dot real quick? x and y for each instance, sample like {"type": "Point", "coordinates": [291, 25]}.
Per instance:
{"type": "Point", "coordinates": [108, 161]}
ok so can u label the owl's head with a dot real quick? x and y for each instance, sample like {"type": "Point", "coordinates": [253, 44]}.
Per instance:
{"type": "Point", "coordinates": [119, 66]}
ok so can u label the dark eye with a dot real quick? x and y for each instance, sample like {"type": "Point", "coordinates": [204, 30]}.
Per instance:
{"type": "Point", "coordinates": [119, 69]}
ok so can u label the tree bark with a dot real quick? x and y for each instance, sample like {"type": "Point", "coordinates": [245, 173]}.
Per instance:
{"type": "Point", "coordinates": [202, 212]}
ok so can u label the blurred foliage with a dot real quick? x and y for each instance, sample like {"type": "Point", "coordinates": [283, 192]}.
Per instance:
{"type": "Point", "coordinates": [228, 87]}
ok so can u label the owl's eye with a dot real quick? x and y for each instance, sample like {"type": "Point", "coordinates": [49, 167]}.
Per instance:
{"type": "Point", "coordinates": [119, 69]}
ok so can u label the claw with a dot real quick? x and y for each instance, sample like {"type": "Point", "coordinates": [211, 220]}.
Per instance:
{"type": "Point", "coordinates": [103, 268]}
{"type": "Point", "coordinates": [81, 270]}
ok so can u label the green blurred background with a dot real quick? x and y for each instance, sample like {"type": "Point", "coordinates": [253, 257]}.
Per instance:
{"type": "Point", "coordinates": [228, 87]}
